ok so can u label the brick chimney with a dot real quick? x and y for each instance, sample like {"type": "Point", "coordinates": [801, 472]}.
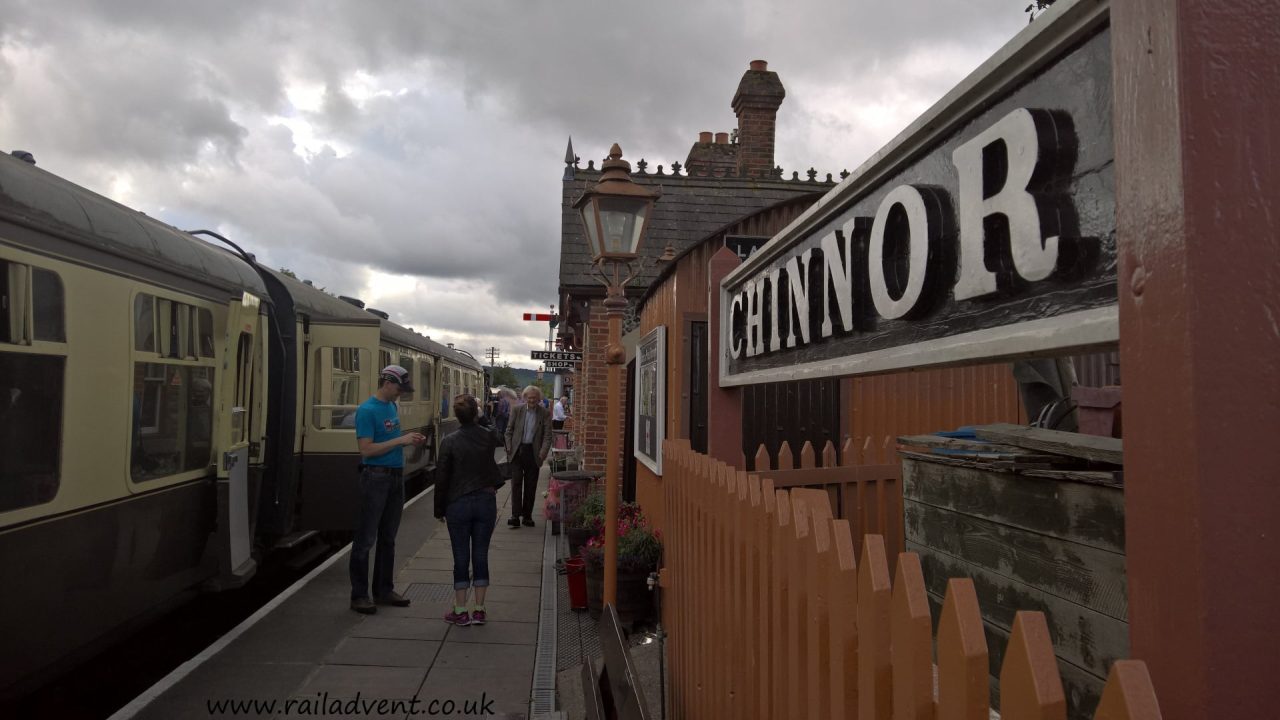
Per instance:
{"type": "Point", "coordinates": [756, 103]}
{"type": "Point", "coordinates": [712, 157]}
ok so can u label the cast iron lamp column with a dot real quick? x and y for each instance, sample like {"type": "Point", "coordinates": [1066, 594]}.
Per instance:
{"type": "Point", "coordinates": [615, 215]}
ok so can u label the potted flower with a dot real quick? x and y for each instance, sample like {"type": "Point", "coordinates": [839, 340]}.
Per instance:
{"type": "Point", "coordinates": [586, 520]}
{"type": "Point", "coordinates": [639, 550]}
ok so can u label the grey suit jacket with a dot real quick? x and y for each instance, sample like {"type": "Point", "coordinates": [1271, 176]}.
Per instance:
{"type": "Point", "coordinates": [520, 415]}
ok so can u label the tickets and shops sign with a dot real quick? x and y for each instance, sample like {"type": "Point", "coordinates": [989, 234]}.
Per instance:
{"type": "Point", "coordinates": [573, 356]}
{"type": "Point", "coordinates": [986, 230]}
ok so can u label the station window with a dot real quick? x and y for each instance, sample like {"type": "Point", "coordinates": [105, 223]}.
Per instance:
{"type": "Point", "coordinates": [172, 419]}
{"type": "Point", "coordinates": [339, 387]}
{"type": "Point", "coordinates": [32, 305]}
{"type": "Point", "coordinates": [30, 428]}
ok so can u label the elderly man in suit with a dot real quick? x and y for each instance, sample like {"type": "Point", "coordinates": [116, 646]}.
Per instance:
{"type": "Point", "coordinates": [528, 441]}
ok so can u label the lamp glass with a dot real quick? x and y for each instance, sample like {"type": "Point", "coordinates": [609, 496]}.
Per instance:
{"type": "Point", "coordinates": [622, 220]}
{"type": "Point", "coordinates": [588, 211]}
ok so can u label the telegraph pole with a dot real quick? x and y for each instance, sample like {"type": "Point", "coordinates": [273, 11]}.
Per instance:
{"type": "Point", "coordinates": [492, 353]}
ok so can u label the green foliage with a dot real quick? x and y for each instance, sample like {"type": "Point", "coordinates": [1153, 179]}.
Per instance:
{"type": "Point", "coordinates": [288, 273]}
{"type": "Point", "coordinates": [504, 376]}
{"type": "Point", "coordinates": [639, 545]}
{"type": "Point", "coordinates": [590, 510]}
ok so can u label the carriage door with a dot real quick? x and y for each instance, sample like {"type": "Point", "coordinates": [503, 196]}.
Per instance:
{"type": "Point", "coordinates": [234, 544]}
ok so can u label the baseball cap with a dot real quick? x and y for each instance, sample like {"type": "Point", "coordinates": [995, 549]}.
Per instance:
{"type": "Point", "coordinates": [397, 375]}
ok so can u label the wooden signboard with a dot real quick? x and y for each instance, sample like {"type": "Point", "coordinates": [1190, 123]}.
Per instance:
{"type": "Point", "coordinates": [651, 398]}
{"type": "Point", "coordinates": [986, 230]}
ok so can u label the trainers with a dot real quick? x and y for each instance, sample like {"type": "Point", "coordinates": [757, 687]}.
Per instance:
{"type": "Point", "coordinates": [364, 606]}
{"type": "Point", "coordinates": [394, 598]}
{"type": "Point", "coordinates": [528, 522]}
{"type": "Point", "coordinates": [477, 617]}
{"type": "Point", "coordinates": [513, 522]}
{"type": "Point", "coordinates": [461, 619]}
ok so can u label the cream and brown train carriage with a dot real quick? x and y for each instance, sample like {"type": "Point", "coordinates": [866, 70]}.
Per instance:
{"type": "Point", "coordinates": [322, 368]}
{"type": "Point", "coordinates": [131, 415]}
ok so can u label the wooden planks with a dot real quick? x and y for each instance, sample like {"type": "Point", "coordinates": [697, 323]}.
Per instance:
{"type": "Point", "coordinates": [1086, 447]}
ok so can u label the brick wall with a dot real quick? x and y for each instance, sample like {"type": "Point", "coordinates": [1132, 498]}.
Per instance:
{"type": "Point", "coordinates": [593, 391]}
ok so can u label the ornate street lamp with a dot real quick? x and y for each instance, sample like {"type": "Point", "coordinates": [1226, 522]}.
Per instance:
{"type": "Point", "coordinates": [615, 214]}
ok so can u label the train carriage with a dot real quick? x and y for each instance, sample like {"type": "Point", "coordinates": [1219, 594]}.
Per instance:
{"type": "Point", "coordinates": [171, 413]}
{"type": "Point", "coordinates": [131, 416]}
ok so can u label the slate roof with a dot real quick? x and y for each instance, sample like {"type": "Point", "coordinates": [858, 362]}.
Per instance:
{"type": "Point", "coordinates": [689, 209]}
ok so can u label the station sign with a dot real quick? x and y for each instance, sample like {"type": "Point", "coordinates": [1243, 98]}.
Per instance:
{"type": "Point", "coordinates": [572, 356]}
{"type": "Point", "coordinates": [985, 231]}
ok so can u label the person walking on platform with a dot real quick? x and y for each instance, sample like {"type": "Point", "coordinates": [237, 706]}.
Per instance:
{"type": "Point", "coordinates": [467, 482]}
{"type": "Point", "coordinates": [381, 487]}
{"type": "Point", "coordinates": [528, 441]}
{"type": "Point", "coordinates": [558, 413]}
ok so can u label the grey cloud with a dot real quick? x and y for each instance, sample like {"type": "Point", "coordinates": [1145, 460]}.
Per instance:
{"type": "Point", "coordinates": [455, 173]}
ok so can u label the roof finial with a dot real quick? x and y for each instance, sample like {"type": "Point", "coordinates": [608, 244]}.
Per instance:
{"type": "Point", "coordinates": [570, 160]}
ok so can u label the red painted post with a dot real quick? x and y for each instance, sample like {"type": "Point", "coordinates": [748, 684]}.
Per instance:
{"type": "Point", "coordinates": [724, 405]}
{"type": "Point", "coordinates": [1197, 180]}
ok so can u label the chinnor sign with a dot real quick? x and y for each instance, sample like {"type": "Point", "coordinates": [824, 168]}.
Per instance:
{"type": "Point", "coordinates": [985, 230]}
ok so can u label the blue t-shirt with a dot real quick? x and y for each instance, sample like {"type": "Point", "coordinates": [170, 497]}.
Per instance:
{"type": "Point", "coordinates": [379, 420]}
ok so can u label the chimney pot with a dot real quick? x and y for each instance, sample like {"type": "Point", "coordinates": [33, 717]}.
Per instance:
{"type": "Point", "coordinates": [704, 137]}
{"type": "Point", "coordinates": [759, 65]}
{"type": "Point", "coordinates": [722, 138]}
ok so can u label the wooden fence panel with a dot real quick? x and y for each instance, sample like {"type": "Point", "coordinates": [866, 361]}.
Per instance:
{"type": "Point", "coordinates": [777, 608]}
{"type": "Point", "coordinates": [912, 649]}
{"type": "Point", "coordinates": [875, 674]}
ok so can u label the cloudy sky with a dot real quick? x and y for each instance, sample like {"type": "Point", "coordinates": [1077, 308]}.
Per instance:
{"type": "Point", "coordinates": [410, 152]}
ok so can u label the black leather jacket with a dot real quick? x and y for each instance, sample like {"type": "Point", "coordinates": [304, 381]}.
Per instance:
{"type": "Point", "coordinates": [466, 463]}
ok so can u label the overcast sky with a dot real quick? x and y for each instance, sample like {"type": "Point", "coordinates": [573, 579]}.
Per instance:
{"type": "Point", "coordinates": [410, 153]}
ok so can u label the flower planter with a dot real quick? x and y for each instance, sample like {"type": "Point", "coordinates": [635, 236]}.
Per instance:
{"type": "Point", "coordinates": [635, 600]}
{"type": "Point", "coordinates": [577, 536]}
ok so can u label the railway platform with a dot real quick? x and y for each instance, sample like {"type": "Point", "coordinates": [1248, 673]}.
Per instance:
{"type": "Point", "coordinates": [307, 655]}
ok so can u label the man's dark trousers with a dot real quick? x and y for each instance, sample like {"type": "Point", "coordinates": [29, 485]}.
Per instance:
{"type": "Point", "coordinates": [524, 481]}
{"type": "Point", "coordinates": [381, 504]}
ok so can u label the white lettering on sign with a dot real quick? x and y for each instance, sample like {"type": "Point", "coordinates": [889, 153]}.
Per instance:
{"type": "Point", "coordinates": [775, 336]}
{"type": "Point", "coordinates": [735, 311]}
{"type": "Point", "coordinates": [1003, 233]}
{"type": "Point", "coordinates": [917, 235]}
{"type": "Point", "coordinates": [797, 272]}
{"type": "Point", "coordinates": [837, 278]}
{"type": "Point", "coordinates": [1034, 256]}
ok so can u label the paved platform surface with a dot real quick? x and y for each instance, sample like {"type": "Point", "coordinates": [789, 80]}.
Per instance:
{"type": "Point", "coordinates": [312, 649]}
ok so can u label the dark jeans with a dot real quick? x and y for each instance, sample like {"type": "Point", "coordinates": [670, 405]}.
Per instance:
{"type": "Point", "coordinates": [524, 481]}
{"type": "Point", "coordinates": [471, 519]}
{"type": "Point", "coordinates": [381, 503]}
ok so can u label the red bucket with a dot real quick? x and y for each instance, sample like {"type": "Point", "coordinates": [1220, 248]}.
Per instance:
{"type": "Point", "coordinates": [575, 569]}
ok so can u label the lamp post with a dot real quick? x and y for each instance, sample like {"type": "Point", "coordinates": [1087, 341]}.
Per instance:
{"type": "Point", "coordinates": [615, 214]}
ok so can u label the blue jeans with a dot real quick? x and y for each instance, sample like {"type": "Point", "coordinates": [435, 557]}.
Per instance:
{"type": "Point", "coordinates": [381, 503]}
{"type": "Point", "coordinates": [471, 519]}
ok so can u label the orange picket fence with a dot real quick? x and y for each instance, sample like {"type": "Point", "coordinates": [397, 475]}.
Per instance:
{"type": "Point", "coordinates": [772, 613]}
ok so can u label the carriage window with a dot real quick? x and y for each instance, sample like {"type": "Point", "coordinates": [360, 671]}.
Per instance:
{"type": "Point", "coordinates": [339, 387]}
{"type": "Point", "coordinates": [172, 420]}
{"type": "Point", "coordinates": [32, 305]}
{"type": "Point", "coordinates": [204, 332]}
{"type": "Point", "coordinates": [424, 382]}
{"type": "Point", "coordinates": [384, 359]}
{"type": "Point", "coordinates": [406, 362]}
{"type": "Point", "coordinates": [49, 306]}
{"type": "Point", "coordinates": [144, 323]}
{"type": "Point", "coordinates": [30, 428]}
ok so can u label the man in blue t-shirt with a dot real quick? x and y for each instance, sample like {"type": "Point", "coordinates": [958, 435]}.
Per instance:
{"type": "Point", "coordinates": [381, 491]}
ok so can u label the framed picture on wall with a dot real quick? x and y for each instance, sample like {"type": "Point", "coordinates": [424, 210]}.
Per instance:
{"type": "Point", "coordinates": [651, 398]}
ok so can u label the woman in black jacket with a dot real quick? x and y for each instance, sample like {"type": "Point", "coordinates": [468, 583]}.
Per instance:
{"type": "Point", "coordinates": [467, 482]}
